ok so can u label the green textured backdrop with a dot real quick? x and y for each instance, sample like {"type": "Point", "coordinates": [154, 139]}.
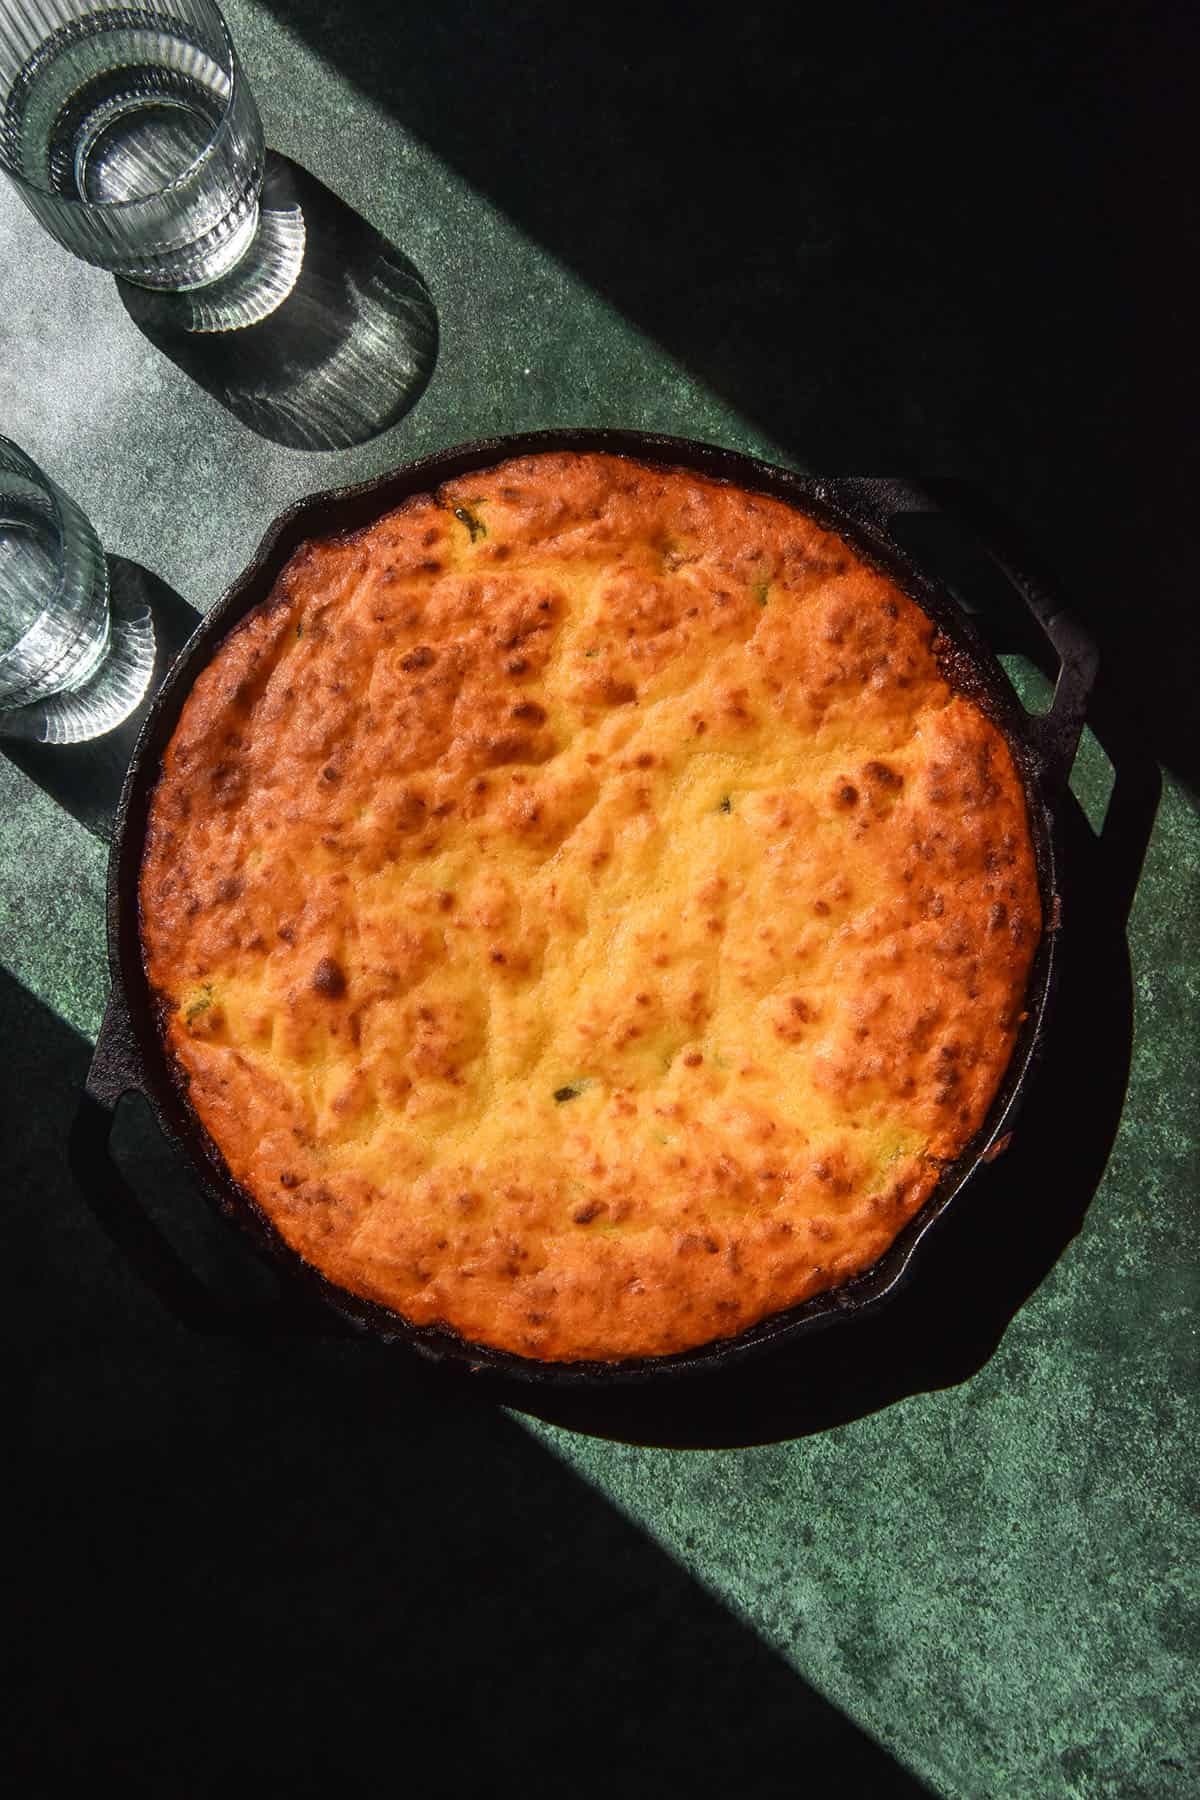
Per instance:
{"type": "Point", "coordinates": [984, 1563]}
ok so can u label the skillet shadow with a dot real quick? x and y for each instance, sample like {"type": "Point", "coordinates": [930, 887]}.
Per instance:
{"type": "Point", "coordinates": [322, 336]}
{"type": "Point", "coordinates": [291, 1567]}
{"type": "Point", "coordinates": [890, 237]}
{"type": "Point", "coordinates": [976, 1267]}
{"type": "Point", "coordinates": [86, 778]}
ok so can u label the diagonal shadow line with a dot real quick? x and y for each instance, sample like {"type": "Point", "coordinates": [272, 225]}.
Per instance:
{"type": "Point", "coordinates": [296, 1566]}
{"type": "Point", "coordinates": [885, 236]}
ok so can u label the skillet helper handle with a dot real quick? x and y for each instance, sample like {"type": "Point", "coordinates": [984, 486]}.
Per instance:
{"type": "Point", "coordinates": [1055, 733]}
{"type": "Point", "coordinates": [117, 1069]}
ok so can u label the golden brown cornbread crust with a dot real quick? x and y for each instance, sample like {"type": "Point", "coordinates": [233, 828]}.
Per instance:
{"type": "Point", "coordinates": [584, 914]}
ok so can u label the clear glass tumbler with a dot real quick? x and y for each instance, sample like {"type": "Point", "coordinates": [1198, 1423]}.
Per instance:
{"type": "Point", "coordinates": [54, 611]}
{"type": "Point", "coordinates": [131, 133]}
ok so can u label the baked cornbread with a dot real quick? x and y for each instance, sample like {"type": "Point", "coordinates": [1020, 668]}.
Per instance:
{"type": "Point", "coordinates": [582, 910]}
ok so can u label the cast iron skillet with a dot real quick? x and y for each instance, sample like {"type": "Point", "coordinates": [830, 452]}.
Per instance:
{"type": "Point", "coordinates": [129, 1053]}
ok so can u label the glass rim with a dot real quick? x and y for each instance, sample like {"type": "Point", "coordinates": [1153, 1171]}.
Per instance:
{"type": "Point", "coordinates": [105, 208]}
{"type": "Point", "coordinates": [36, 473]}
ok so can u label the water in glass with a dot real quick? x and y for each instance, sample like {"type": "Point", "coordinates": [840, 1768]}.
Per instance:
{"type": "Point", "coordinates": [54, 612]}
{"type": "Point", "coordinates": [131, 133]}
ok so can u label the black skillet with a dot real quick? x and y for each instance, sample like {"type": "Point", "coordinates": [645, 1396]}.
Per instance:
{"type": "Point", "coordinates": [129, 1054]}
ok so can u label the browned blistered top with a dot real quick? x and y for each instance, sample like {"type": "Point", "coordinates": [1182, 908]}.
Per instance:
{"type": "Point", "coordinates": [586, 915]}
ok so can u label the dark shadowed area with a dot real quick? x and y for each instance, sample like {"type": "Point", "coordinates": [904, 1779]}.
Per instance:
{"type": "Point", "coordinates": [288, 1565]}
{"type": "Point", "coordinates": [901, 239]}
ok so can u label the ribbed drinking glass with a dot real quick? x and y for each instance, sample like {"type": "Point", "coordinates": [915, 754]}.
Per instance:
{"type": "Point", "coordinates": [54, 612]}
{"type": "Point", "coordinates": [131, 133]}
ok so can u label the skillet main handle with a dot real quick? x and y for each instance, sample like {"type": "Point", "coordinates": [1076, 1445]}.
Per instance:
{"type": "Point", "coordinates": [117, 1069]}
{"type": "Point", "coordinates": [880, 501]}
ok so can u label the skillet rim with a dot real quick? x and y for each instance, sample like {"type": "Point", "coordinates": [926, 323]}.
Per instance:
{"type": "Point", "coordinates": [856, 509]}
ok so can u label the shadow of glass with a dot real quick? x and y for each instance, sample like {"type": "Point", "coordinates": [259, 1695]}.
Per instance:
{"type": "Point", "coordinates": [322, 336]}
{"type": "Point", "coordinates": [86, 778]}
{"type": "Point", "coordinates": [889, 240]}
{"type": "Point", "coordinates": [292, 1566]}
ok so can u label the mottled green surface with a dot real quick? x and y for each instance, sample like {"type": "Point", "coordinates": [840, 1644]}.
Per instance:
{"type": "Point", "coordinates": [995, 1579]}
